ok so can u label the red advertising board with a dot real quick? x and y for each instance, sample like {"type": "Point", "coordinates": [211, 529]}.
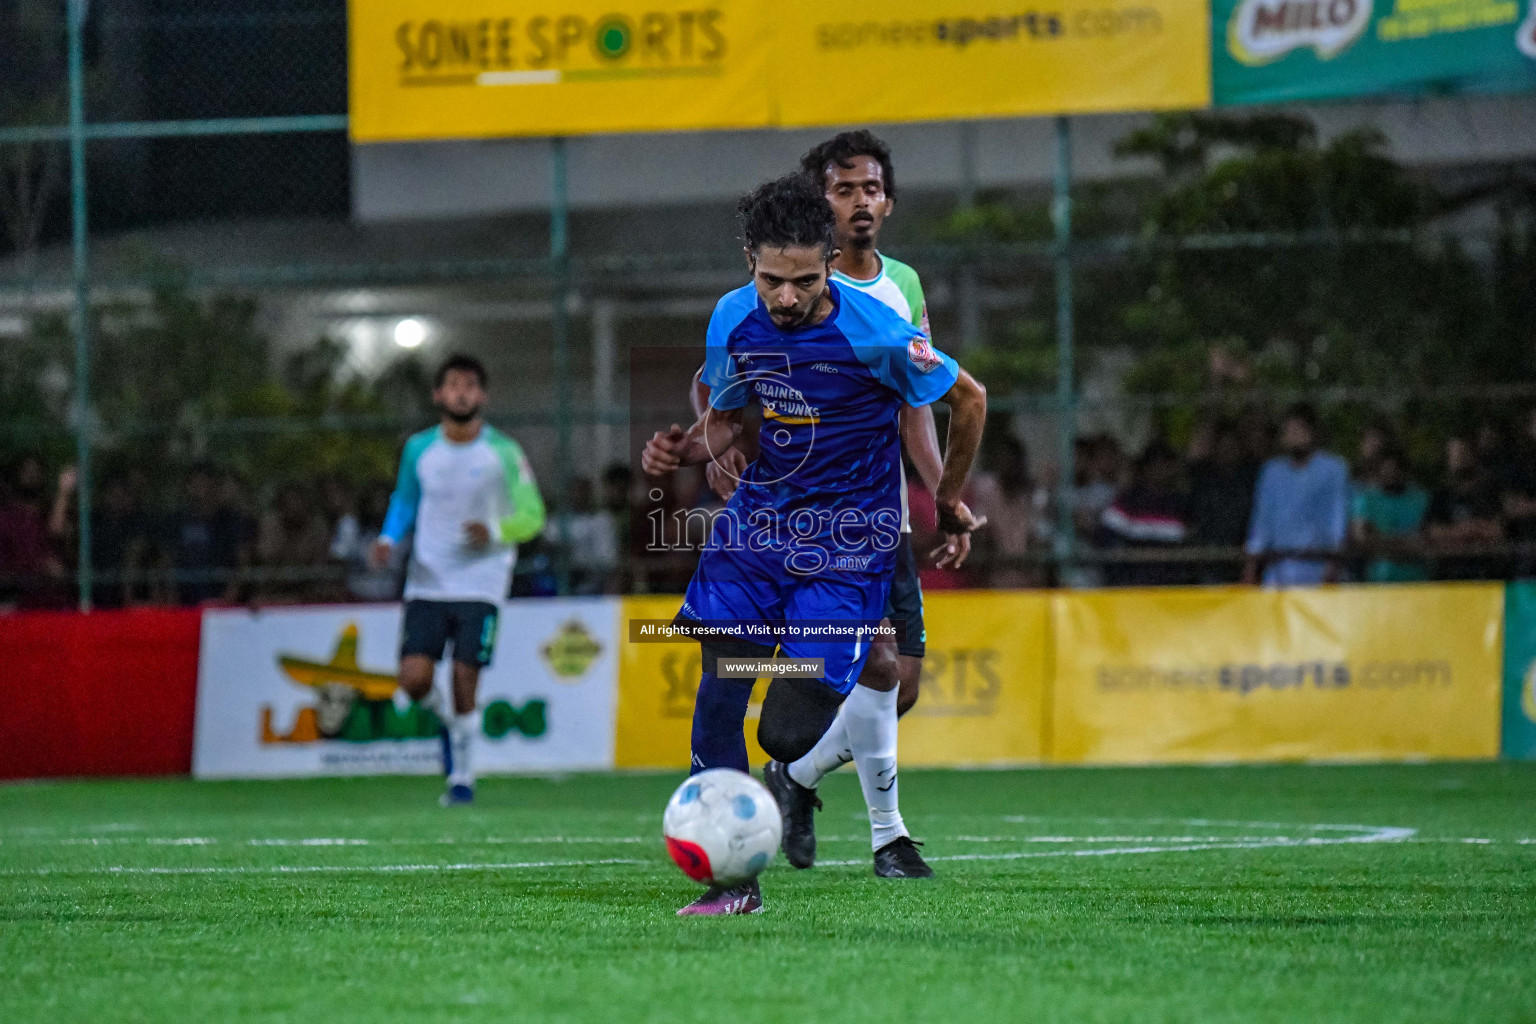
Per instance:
{"type": "Point", "coordinates": [109, 693]}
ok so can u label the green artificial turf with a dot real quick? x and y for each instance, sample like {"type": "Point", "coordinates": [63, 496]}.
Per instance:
{"type": "Point", "coordinates": [1179, 895]}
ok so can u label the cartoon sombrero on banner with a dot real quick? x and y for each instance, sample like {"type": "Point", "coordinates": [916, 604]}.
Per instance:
{"type": "Point", "coordinates": [373, 684]}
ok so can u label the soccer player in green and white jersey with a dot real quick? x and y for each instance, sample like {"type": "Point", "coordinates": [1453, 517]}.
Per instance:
{"type": "Point", "coordinates": [468, 493]}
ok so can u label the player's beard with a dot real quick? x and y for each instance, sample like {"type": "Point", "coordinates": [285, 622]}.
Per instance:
{"type": "Point", "coordinates": [461, 418]}
{"type": "Point", "coordinates": [804, 318]}
{"type": "Point", "coordinates": [857, 239]}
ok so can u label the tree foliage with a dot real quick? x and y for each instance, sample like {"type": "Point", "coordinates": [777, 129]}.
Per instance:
{"type": "Point", "coordinates": [1294, 263]}
{"type": "Point", "coordinates": [178, 377]}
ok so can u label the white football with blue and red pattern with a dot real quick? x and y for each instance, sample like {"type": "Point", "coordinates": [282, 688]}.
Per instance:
{"type": "Point", "coordinates": [722, 827]}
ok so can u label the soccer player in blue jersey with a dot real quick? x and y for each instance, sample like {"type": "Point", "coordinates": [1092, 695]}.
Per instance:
{"type": "Point", "coordinates": [469, 494]}
{"type": "Point", "coordinates": [858, 176]}
{"type": "Point", "coordinates": [809, 537]}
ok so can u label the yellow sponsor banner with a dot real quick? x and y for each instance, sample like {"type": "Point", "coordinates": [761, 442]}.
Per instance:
{"type": "Point", "coordinates": [983, 683]}
{"type": "Point", "coordinates": [1384, 672]}
{"type": "Point", "coordinates": [982, 700]}
{"type": "Point", "coordinates": [486, 68]}
{"type": "Point", "coordinates": [657, 685]}
{"type": "Point", "coordinates": [482, 68]}
{"type": "Point", "coordinates": [914, 60]}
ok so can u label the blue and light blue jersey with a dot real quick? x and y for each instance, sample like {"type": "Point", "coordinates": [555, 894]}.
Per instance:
{"type": "Point", "coordinates": [823, 497]}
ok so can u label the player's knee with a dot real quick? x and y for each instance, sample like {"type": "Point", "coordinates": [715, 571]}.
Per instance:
{"type": "Point", "coordinates": [909, 671]}
{"type": "Point", "coordinates": [416, 676]}
{"type": "Point", "coordinates": [796, 712]}
{"type": "Point", "coordinates": [880, 670]}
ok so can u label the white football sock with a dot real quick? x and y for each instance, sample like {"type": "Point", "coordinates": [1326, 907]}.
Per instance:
{"type": "Point", "coordinates": [461, 730]}
{"type": "Point", "coordinates": [870, 718]}
{"type": "Point", "coordinates": [433, 703]}
{"type": "Point", "coordinates": [829, 754]}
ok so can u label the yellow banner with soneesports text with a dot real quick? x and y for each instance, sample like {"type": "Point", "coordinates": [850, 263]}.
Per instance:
{"type": "Point", "coordinates": [982, 699]}
{"type": "Point", "coordinates": [486, 68]}
{"type": "Point", "coordinates": [1354, 673]}
{"type": "Point", "coordinates": [914, 60]}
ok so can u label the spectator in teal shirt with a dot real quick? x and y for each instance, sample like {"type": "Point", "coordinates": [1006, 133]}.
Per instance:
{"type": "Point", "coordinates": [1387, 517]}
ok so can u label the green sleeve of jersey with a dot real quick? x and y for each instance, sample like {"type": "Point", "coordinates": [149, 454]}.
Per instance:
{"type": "Point", "coordinates": [527, 517]}
{"type": "Point", "coordinates": [906, 279]}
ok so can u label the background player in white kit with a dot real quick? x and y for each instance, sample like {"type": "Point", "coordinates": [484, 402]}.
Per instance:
{"type": "Point", "coordinates": [471, 496]}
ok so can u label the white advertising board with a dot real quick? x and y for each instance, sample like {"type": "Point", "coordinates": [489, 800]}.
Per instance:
{"type": "Point", "coordinates": [310, 691]}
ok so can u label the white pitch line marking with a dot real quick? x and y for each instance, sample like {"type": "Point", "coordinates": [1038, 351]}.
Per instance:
{"type": "Point", "coordinates": [1358, 834]}
{"type": "Point", "coordinates": [332, 841]}
{"type": "Point", "coordinates": [309, 842]}
{"type": "Point", "coordinates": [188, 841]}
{"type": "Point", "coordinates": [1381, 834]}
{"type": "Point", "coordinates": [298, 869]}
{"type": "Point", "coordinates": [1195, 822]}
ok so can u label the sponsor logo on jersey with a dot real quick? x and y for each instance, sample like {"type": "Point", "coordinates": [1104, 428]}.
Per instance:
{"type": "Point", "coordinates": [921, 354]}
{"type": "Point", "coordinates": [1262, 31]}
{"type": "Point", "coordinates": [824, 367]}
{"type": "Point", "coordinates": [784, 404]}
{"type": "Point", "coordinates": [793, 414]}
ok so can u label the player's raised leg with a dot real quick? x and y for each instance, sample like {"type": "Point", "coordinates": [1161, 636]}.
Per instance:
{"type": "Point", "coordinates": [474, 643]}
{"type": "Point", "coordinates": [425, 630]}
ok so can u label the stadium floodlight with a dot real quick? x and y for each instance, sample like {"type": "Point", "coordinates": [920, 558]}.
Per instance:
{"type": "Point", "coordinates": [410, 333]}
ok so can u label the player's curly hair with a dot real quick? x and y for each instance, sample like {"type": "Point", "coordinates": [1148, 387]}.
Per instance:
{"type": "Point", "coordinates": [787, 211]}
{"type": "Point", "coordinates": [842, 148]}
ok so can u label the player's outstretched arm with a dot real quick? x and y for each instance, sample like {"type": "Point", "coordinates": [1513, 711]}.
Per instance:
{"type": "Point", "coordinates": [712, 435]}
{"type": "Point", "coordinates": [967, 401]}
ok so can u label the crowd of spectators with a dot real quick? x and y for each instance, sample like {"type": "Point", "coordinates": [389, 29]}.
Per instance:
{"type": "Point", "coordinates": [1247, 500]}
{"type": "Point", "coordinates": [212, 538]}
{"type": "Point", "coordinates": [1243, 499]}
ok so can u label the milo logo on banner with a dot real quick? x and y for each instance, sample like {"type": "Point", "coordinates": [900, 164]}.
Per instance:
{"type": "Point", "coordinates": [1262, 31]}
